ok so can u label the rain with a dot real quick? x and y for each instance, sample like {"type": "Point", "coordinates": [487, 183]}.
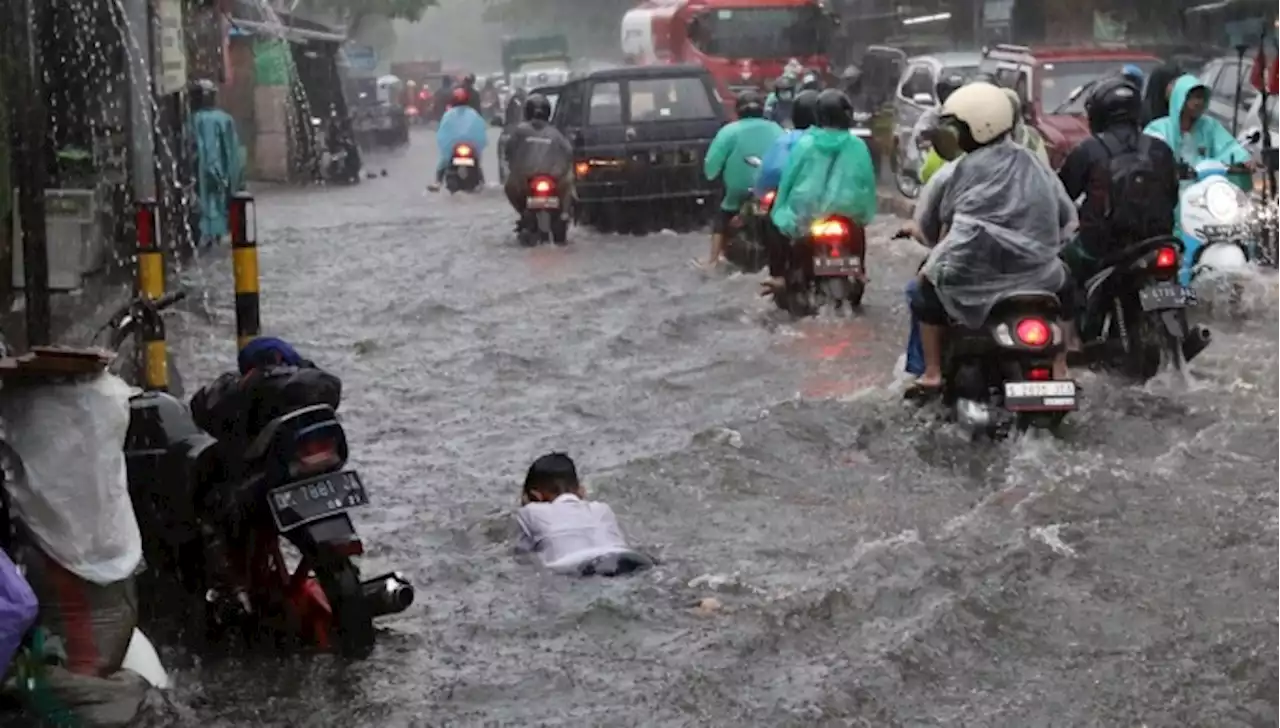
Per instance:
{"type": "Point", "coordinates": [826, 553]}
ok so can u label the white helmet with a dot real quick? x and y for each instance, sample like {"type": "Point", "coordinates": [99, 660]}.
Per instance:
{"type": "Point", "coordinates": [983, 108]}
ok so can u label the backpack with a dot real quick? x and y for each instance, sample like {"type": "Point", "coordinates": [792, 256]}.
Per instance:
{"type": "Point", "coordinates": [1134, 206]}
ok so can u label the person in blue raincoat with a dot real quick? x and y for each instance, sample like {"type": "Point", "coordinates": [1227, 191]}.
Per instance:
{"type": "Point", "coordinates": [461, 124]}
{"type": "Point", "coordinates": [829, 172]}
{"type": "Point", "coordinates": [219, 165]}
{"type": "Point", "coordinates": [750, 136]}
{"type": "Point", "coordinates": [804, 114]}
{"type": "Point", "coordinates": [1193, 136]}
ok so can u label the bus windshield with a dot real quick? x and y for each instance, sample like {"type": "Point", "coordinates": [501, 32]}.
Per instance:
{"type": "Point", "coordinates": [780, 32]}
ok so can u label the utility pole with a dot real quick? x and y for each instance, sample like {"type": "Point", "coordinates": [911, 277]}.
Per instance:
{"type": "Point", "coordinates": [30, 170]}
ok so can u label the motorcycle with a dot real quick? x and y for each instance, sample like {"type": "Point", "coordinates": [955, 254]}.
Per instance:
{"type": "Point", "coordinates": [1001, 375]}
{"type": "Point", "coordinates": [745, 247]}
{"type": "Point", "coordinates": [219, 537]}
{"type": "Point", "coordinates": [337, 159]}
{"type": "Point", "coordinates": [826, 267]}
{"type": "Point", "coordinates": [463, 172]}
{"type": "Point", "coordinates": [546, 215]}
{"type": "Point", "coordinates": [1134, 318]}
{"type": "Point", "coordinates": [1218, 224]}
{"type": "Point", "coordinates": [862, 130]}
{"type": "Point", "coordinates": [906, 169]}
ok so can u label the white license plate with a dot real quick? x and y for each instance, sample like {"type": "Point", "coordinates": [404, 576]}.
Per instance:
{"type": "Point", "coordinates": [542, 203]}
{"type": "Point", "coordinates": [1165, 296]}
{"type": "Point", "coordinates": [464, 162]}
{"type": "Point", "coordinates": [837, 266]}
{"type": "Point", "coordinates": [863, 133]}
{"type": "Point", "coordinates": [1039, 396]}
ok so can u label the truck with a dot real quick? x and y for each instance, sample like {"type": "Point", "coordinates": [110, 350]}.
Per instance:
{"type": "Point", "coordinates": [543, 51]}
{"type": "Point", "coordinates": [744, 44]}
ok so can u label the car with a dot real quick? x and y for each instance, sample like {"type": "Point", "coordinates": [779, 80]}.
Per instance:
{"type": "Point", "coordinates": [915, 93]}
{"type": "Point", "coordinates": [640, 136]}
{"type": "Point", "coordinates": [1221, 75]}
{"type": "Point", "coordinates": [1045, 79]}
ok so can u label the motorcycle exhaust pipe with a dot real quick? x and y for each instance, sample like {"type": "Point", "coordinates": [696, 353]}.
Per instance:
{"type": "Point", "coordinates": [1197, 339]}
{"type": "Point", "coordinates": [388, 594]}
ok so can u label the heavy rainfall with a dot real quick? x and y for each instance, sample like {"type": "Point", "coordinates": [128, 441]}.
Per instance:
{"type": "Point", "coordinates": [294, 292]}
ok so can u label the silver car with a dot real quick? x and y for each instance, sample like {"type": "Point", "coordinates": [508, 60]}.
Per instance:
{"type": "Point", "coordinates": [915, 93]}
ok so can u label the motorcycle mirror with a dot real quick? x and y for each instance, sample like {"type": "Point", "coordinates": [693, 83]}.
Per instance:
{"type": "Point", "coordinates": [922, 99]}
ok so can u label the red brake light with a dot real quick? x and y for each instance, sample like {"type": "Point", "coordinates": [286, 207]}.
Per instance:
{"type": "Point", "coordinates": [462, 151]}
{"type": "Point", "coordinates": [1033, 332]}
{"type": "Point", "coordinates": [766, 202]}
{"type": "Point", "coordinates": [543, 186]}
{"type": "Point", "coordinates": [1167, 258]}
{"type": "Point", "coordinates": [423, 95]}
{"type": "Point", "coordinates": [829, 230]}
{"type": "Point", "coordinates": [315, 456]}
{"type": "Point", "coordinates": [1040, 374]}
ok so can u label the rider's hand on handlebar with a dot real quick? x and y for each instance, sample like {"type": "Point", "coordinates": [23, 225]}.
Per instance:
{"type": "Point", "coordinates": [908, 230]}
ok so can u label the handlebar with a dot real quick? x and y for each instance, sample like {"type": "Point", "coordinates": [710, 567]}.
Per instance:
{"type": "Point", "coordinates": [123, 321]}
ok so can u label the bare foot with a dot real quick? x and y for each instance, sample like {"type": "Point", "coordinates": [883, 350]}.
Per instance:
{"type": "Point", "coordinates": [770, 286]}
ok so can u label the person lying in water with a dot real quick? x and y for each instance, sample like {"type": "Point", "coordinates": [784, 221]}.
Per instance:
{"type": "Point", "coordinates": [570, 534]}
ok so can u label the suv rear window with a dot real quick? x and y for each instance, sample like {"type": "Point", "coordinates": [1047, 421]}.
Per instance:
{"type": "Point", "coordinates": [606, 104]}
{"type": "Point", "coordinates": [670, 99]}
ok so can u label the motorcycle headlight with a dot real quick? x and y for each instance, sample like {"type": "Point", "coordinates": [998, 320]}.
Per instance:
{"type": "Point", "coordinates": [1224, 203]}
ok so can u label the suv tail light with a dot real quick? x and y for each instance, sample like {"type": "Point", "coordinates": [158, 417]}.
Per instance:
{"type": "Point", "coordinates": [314, 456]}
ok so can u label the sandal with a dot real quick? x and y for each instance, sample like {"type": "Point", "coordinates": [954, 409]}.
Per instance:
{"type": "Point", "coordinates": [918, 392]}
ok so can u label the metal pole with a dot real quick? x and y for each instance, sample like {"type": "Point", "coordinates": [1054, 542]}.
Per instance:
{"type": "Point", "coordinates": [30, 167]}
{"type": "Point", "coordinates": [1235, 108]}
{"type": "Point", "coordinates": [155, 352]}
{"type": "Point", "coordinates": [137, 44]}
{"type": "Point", "coordinates": [244, 265]}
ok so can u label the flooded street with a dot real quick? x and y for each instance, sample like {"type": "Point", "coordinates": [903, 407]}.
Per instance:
{"type": "Point", "coordinates": [874, 567]}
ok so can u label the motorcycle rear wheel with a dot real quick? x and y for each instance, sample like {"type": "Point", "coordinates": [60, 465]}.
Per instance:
{"type": "Point", "coordinates": [351, 630]}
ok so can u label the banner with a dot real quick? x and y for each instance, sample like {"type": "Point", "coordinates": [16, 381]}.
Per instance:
{"type": "Point", "coordinates": [171, 76]}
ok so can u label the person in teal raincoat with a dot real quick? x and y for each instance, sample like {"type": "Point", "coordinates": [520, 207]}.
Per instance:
{"type": "Point", "coordinates": [750, 136]}
{"type": "Point", "coordinates": [829, 172]}
{"type": "Point", "coordinates": [219, 165]}
{"type": "Point", "coordinates": [1193, 136]}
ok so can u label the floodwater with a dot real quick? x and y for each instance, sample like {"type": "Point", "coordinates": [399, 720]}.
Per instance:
{"type": "Point", "coordinates": [874, 568]}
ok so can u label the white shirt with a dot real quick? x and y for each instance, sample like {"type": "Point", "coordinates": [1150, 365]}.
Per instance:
{"type": "Point", "coordinates": [568, 531]}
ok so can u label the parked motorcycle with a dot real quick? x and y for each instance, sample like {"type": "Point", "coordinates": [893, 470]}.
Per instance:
{"type": "Point", "coordinates": [213, 521]}
{"type": "Point", "coordinates": [1217, 222]}
{"type": "Point", "coordinates": [336, 157]}
{"type": "Point", "coordinates": [1001, 375]}
{"type": "Point", "coordinates": [464, 172]}
{"type": "Point", "coordinates": [546, 215]}
{"type": "Point", "coordinates": [1134, 319]}
{"type": "Point", "coordinates": [827, 267]}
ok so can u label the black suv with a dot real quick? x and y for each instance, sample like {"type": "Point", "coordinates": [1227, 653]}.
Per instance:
{"type": "Point", "coordinates": [640, 136]}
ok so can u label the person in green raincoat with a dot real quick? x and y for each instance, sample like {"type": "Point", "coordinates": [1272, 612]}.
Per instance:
{"type": "Point", "coordinates": [750, 136]}
{"type": "Point", "coordinates": [829, 172]}
{"type": "Point", "coordinates": [220, 169]}
{"type": "Point", "coordinates": [1193, 136]}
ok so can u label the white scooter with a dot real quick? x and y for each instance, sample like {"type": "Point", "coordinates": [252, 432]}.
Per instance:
{"type": "Point", "coordinates": [1215, 224]}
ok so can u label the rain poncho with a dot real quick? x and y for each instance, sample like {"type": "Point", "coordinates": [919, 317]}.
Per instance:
{"type": "Point", "coordinates": [18, 607]}
{"type": "Point", "coordinates": [728, 154]}
{"type": "Point", "coordinates": [459, 125]}
{"type": "Point", "coordinates": [538, 148]}
{"type": "Point", "coordinates": [775, 160]}
{"type": "Point", "coordinates": [1006, 214]}
{"type": "Point", "coordinates": [220, 169]}
{"type": "Point", "coordinates": [1206, 140]}
{"type": "Point", "coordinates": [829, 172]}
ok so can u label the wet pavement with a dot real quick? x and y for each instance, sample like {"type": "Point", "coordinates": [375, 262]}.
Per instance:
{"type": "Point", "coordinates": [874, 567]}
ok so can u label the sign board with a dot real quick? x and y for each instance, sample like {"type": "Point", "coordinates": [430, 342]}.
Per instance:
{"type": "Point", "coordinates": [75, 246]}
{"type": "Point", "coordinates": [360, 57]}
{"type": "Point", "coordinates": [172, 74]}
{"type": "Point", "coordinates": [271, 62]}
{"type": "Point", "coordinates": [997, 12]}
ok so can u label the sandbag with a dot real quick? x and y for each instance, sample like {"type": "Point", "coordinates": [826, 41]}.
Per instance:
{"type": "Point", "coordinates": [18, 607]}
{"type": "Point", "coordinates": [70, 489]}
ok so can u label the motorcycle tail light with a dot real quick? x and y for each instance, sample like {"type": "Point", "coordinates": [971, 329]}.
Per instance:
{"type": "Point", "coordinates": [423, 95]}
{"type": "Point", "coordinates": [1166, 259]}
{"type": "Point", "coordinates": [829, 230]}
{"type": "Point", "coordinates": [313, 456]}
{"type": "Point", "coordinates": [1034, 332]}
{"type": "Point", "coordinates": [543, 186]}
{"type": "Point", "coordinates": [1040, 374]}
{"type": "Point", "coordinates": [766, 202]}
{"type": "Point", "coordinates": [411, 111]}
{"type": "Point", "coordinates": [462, 150]}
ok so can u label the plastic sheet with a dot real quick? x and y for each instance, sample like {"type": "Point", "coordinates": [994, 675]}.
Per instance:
{"type": "Point", "coordinates": [537, 150]}
{"type": "Point", "coordinates": [460, 125]}
{"type": "Point", "coordinates": [829, 172]}
{"type": "Point", "coordinates": [1006, 214]}
{"type": "Point", "coordinates": [70, 487]}
{"type": "Point", "coordinates": [18, 609]}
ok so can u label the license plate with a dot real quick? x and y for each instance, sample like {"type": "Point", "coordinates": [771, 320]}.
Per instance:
{"type": "Point", "coordinates": [1039, 396]}
{"type": "Point", "coordinates": [542, 203]}
{"type": "Point", "coordinates": [1164, 296]}
{"type": "Point", "coordinates": [464, 162]}
{"type": "Point", "coordinates": [837, 266]}
{"type": "Point", "coordinates": [863, 133]}
{"type": "Point", "coordinates": [1224, 233]}
{"type": "Point", "coordinates": [298, 504]}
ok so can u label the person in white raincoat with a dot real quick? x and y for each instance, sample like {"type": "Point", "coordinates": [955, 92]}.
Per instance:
{"type": "Point", "coordinates": [999, 219]}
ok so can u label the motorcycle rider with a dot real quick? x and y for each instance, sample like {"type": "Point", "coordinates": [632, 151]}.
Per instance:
{"type": "Point", "coordinates": [779, 102]}
{"type": "Point", "coordinates": [804, 114]}
{"type": "Point", "coordinates": [1194, 136]}
{"type": "Point", "coordinates": [928, 122]}
{"type": "Point", "coordinates": [1155, 100]}
{"type": "Point", "coordinates": [1115, 215]}
{"type": "Point", "coordinates": [461, 124]}
{"type": "Point", "coordinates": [829, 172]}
{"type": "Point", "coordinates": [998, 217]}
{"type": "Point", "coordinates": [473, 96]}
{"type": "Point", "coordinates": [749, 136]}
{"type": "Point", "coordinates": [1023, 133]}
{"type": "Point", "coordinates": [537, 148]}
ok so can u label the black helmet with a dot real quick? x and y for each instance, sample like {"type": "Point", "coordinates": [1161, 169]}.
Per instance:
{"type": "Point", "coordinates": [749, 105]}
{"type": "Point", "coordinates": [947, 85]}
{"type": "Point", "coordinates": [835, 111]}
{"type": "Point", "coordinates": [811, 81]}
{"type": "Point", "coordinates": [804, 110]}
{"type": "Point", "coordinates": [785, 87]}
{"type": "Point", "coordinates": [1114, 100]}
{"type": "Point", "coordinates": [469, 79]}
{"type": "Point", "coordinates": [204, 94]}
{"type": "Point", "coordinates": [537, 108]}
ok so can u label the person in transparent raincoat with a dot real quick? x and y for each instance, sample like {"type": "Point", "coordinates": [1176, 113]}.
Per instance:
{"type": "Point", "coordinates": [1000, 219]}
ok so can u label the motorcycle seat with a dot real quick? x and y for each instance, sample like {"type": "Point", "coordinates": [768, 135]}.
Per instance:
{"type": "Point", "coordinates": [1039, 301]}
{"type": "Point", "coordinates": [313, 414]}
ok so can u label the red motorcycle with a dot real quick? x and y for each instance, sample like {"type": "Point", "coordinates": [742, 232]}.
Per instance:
{"type": "Point", "coordinates": [828, 266]}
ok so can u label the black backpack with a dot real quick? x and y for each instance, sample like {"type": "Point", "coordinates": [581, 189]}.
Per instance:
{"type": "Point", "coordinates": [1135, 208]}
